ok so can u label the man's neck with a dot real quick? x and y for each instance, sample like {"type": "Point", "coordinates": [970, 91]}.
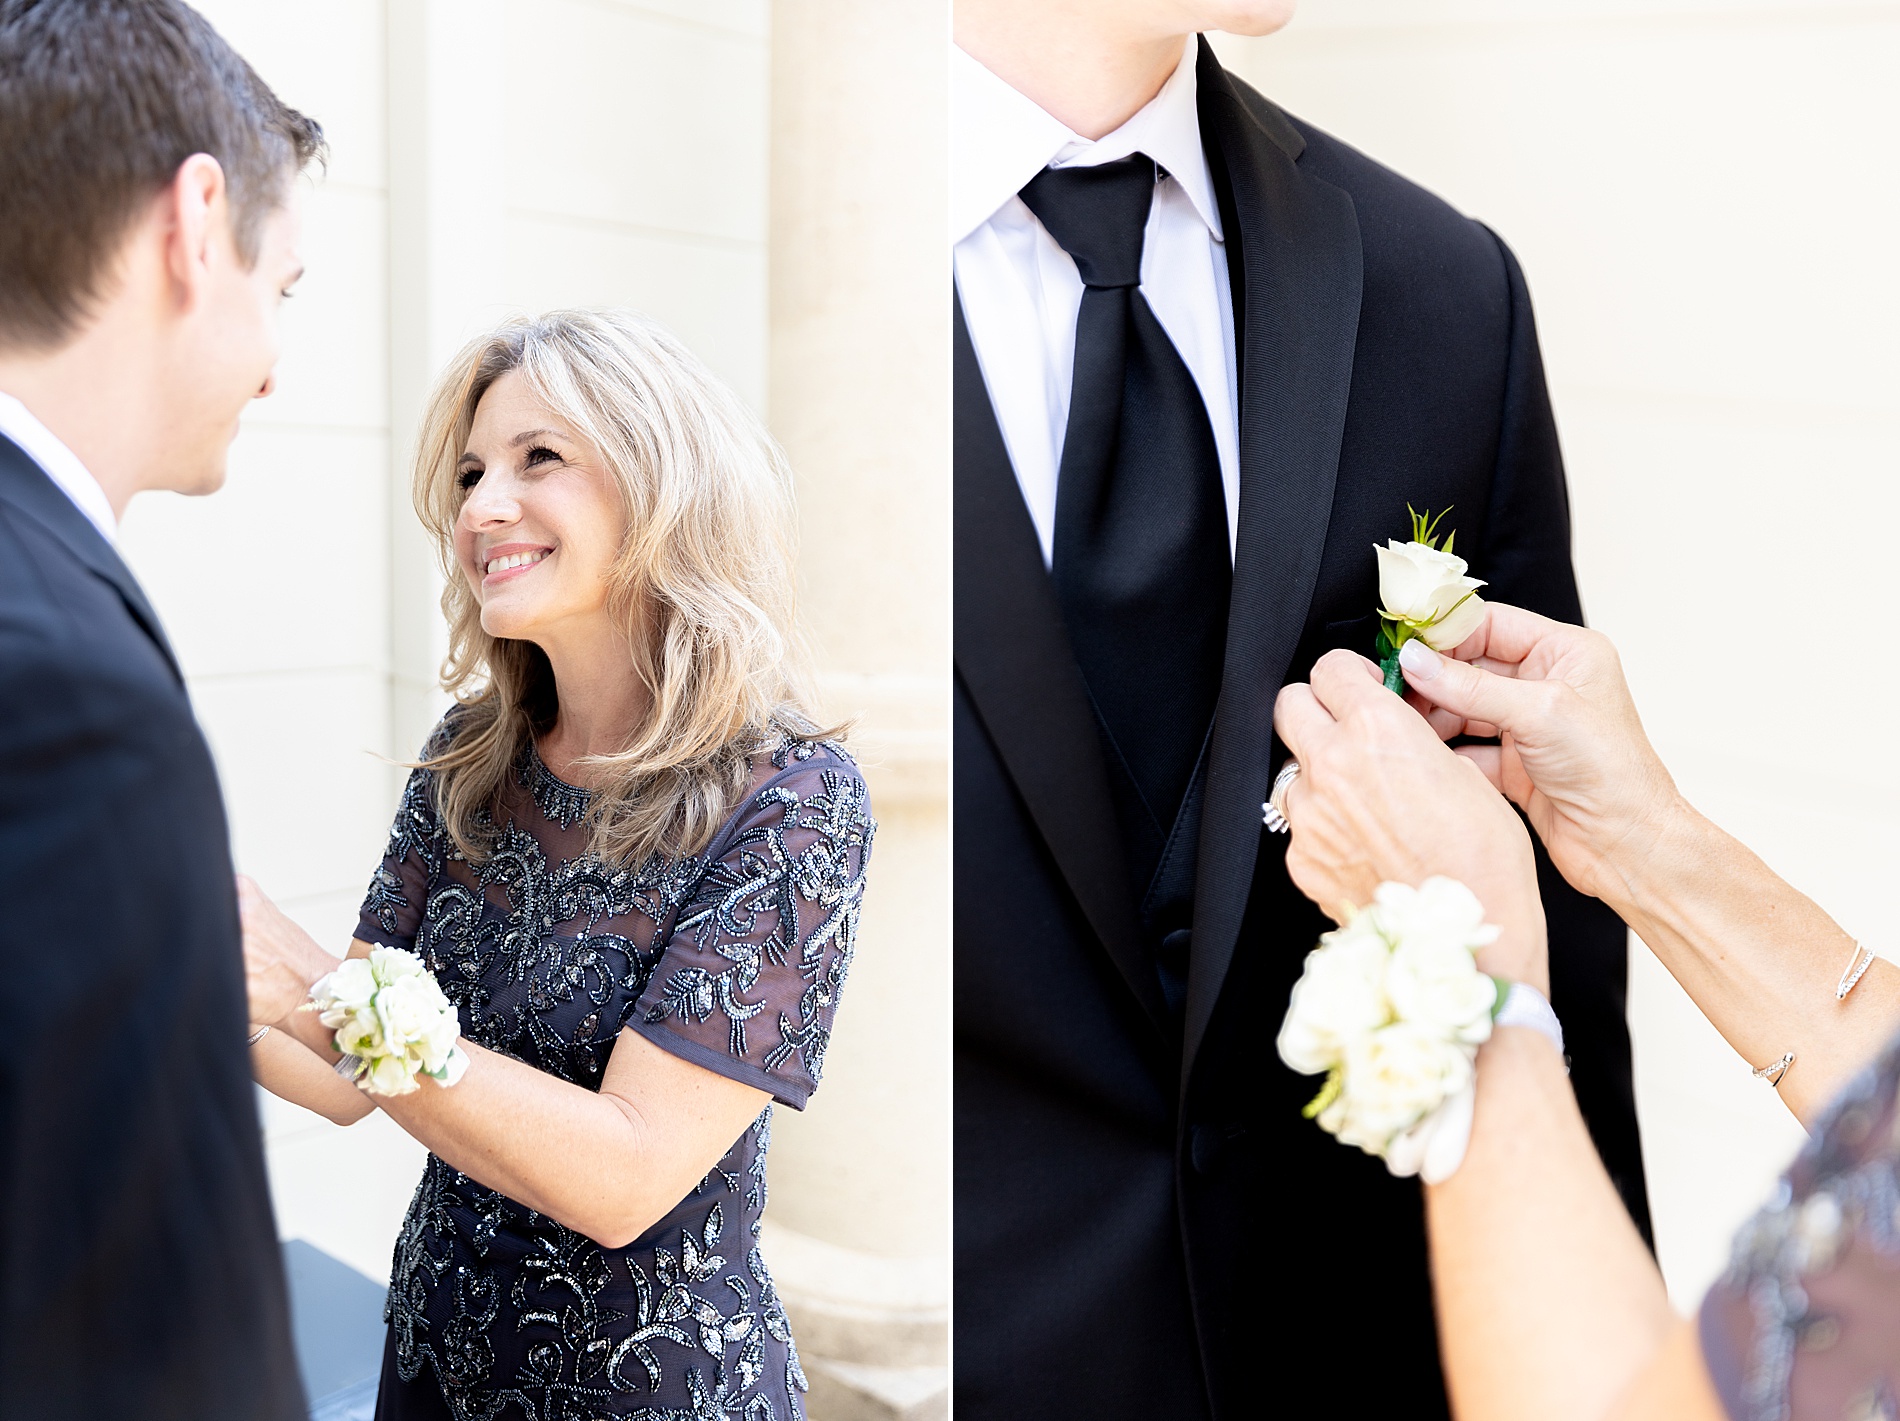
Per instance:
{"type": "Point", "coordinates": [98, 402]}
{"type": "Point", "coordinates": [1075, 68]}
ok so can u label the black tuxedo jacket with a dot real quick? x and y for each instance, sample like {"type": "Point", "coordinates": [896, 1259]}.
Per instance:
{"type": "Point", "coordinates": [1145, 1225]}
{"type": "Point", "coordinates": [139, 1269]}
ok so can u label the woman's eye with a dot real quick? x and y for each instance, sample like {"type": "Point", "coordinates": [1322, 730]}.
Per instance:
{"type": "Point", "coordinates": [540, 454]}
{"type": "Point", "coordinates": [468, 478]}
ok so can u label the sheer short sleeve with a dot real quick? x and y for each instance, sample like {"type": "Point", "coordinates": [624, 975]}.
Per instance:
{"type": "Point", "coordinates": [1805, 1325]}
{"type": "Point", "coordinates": [418, 845]}
{"type": "Point", "coordinates": [748, 983]}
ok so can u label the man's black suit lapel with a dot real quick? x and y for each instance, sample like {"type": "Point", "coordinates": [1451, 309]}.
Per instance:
{"type": "Point", "coordinates": [1013, 658]}
{"type": "Point", "coordinates": [1297, 314]}
{"type": "Point", "coordinates": [25, 485]}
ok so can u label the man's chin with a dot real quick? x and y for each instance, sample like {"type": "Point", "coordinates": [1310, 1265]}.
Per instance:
{"type": "Point", "coordinates": [1251, 17]}
{"type": "Point", "coordinates": [199, 479]}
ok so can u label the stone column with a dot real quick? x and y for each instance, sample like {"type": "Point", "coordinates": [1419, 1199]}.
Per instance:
{"type": "Point", "coordinates": [859, 1224]}
{"type": "Point", "coordinates": [447, 250]}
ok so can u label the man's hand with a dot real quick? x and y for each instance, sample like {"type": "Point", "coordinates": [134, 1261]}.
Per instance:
{"type": "Point", "coordinates": [281, 960]}
{"type": "Point", "coordinates": [1573, 754]}
{"type": "Point", "coordinates": [1379, 798]}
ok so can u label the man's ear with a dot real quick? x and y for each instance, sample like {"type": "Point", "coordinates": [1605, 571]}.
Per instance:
{"type": "Point", "coordinates": [197, 213]}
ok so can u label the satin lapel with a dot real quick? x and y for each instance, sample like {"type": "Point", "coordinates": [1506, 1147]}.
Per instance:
{"type": "Point", "coordinates": [1013, 656]}
{"type": "Point", "coordinates": [25, 485]}
{"type": "Point", "coordinates": [1300, 269]}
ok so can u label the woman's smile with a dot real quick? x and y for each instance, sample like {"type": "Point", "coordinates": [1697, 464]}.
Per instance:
{"type": "Point", "coordinates": [509, 561]}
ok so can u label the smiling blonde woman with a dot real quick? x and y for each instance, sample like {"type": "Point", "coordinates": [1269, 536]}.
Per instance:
{"type": "Point", "coordinates": [633, 863]}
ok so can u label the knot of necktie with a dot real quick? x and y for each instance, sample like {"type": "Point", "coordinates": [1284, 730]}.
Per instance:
{"type": "Point", "coordinates": [1097, 215]}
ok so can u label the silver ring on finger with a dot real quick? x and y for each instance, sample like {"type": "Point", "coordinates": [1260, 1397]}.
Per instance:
{"type": "Point", "coordinates": [1273, 812]}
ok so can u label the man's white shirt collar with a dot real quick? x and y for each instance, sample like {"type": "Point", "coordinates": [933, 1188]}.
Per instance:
{"type": "Point", "coordinates": [1002, 138]}
{"type": "Point", "coordinates": [61, 465]}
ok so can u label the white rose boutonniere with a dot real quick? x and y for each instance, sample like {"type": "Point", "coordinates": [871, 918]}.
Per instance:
{"type": "Point", "coordinates": [1391, 1008]}
{"type": "Point", "coordinates": [1423, 592]}
{"type": "Point", "coordinates": [392, 1022]}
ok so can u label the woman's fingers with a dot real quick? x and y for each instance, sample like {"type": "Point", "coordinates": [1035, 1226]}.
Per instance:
{"type": "Point", "coordinates": [1507, 635]}
{"type": "Point", "coordinates": [1490, 762]}
{"type": "Point", "coordinates": [1344, 682]}
{"type": "Point", "coordinates": [1500, 702]}
{"type": "Point", "coordinates": [1299, 719]}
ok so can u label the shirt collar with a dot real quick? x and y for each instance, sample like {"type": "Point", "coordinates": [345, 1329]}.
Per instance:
{"type": "Point", "coordinates": [60, 464]}
{"type": "Point", "coordinates": [1000, 139]}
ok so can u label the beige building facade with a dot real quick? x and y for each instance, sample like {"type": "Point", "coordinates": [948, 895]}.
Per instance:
{"type": "Point", "coordinates": [704, 163]}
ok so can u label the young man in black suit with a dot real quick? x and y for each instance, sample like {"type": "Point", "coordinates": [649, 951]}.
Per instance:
{"type": "Point", "coordinates": [1206, 355]}
{"type": "Point", "coordinates": [148, 234]}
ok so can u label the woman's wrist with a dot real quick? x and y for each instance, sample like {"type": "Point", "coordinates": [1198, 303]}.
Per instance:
{"type": "Point", "coordinates": [1522, 951]}
{"type": "Point", "coordinates": [1662, 842]}
{"type": "Point", "coordinates": [304, 1027]}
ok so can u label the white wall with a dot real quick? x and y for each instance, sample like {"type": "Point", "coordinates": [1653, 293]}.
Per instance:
{"type": "Point", "coordinates": [1702, 195]}
{"type": "Point", "coordinates": [486, 156]}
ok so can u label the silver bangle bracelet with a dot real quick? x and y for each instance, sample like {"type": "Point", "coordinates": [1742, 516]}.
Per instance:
{"type": "Point", "coordinates": [1857, 966]}
{"type": "Point", "coordinates": [257, 1036]}
{"type": "Point", "coordinates": [1774, 1070]}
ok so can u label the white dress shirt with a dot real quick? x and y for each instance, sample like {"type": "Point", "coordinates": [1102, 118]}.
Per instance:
{"type": "Point", "coordinates": [62, 466]}
{"type": "Point", "coordinates": [1021, 291]}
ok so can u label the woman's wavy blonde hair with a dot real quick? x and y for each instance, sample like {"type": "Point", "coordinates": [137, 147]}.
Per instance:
{"type": "Point", "coordinates": [703, 585]}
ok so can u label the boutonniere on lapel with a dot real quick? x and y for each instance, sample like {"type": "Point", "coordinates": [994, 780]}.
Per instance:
{"type": "Point", "coordinates": [1423, 593]}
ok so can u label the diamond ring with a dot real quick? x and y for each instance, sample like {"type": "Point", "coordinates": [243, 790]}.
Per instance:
{"type": "Point", "coordinates": [1273, 812]}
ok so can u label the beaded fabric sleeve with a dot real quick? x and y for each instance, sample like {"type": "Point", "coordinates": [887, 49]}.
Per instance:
{"type": "Point", "coordinates": [1805, 1325]}
{"type": "Point", "coordinates": [749, 982]}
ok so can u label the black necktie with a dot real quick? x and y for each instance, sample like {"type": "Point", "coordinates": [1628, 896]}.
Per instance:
{"type": "Point", "coordinates": [1141, 563]}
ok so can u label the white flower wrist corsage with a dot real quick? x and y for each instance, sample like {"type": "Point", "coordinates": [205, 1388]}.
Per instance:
{"type": "Point", "coordinates": [1391, 1009]}
{"type": "Point", "coordinates": [392, 1022]}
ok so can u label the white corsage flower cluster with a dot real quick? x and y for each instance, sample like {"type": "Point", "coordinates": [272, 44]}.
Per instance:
{"type": "Point", "coordinates": [392, 1022]}
{"type": "Point", "coordinates": [1424, 592]}
{"type": "Point", "coordinates": [1392, 1009]}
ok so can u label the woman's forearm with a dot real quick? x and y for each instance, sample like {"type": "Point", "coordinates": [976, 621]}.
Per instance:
{"type": "Point", "coordinates": [555, 1147]}
{"type": "Point", "coordinates": [608, 1164]}
{"type": "Point", "coordinates": [1548, 1303]}
{"type": "Point", "coordinates": [566, 1152]}
{"type": "Point", "coordinates": [289, 1070]}
{"type": "Point", "coordinates": [590, 1160]}
{"type": "Point", "coordinates": [1758, 958]}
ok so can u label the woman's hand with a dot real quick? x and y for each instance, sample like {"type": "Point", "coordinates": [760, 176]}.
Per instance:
{"type": "Point", "coordinates": [1573, 752]}
{"type": "Point", "coordinates": [281, 960]}
{"type": "Point", "coordinates": [1379, 797]}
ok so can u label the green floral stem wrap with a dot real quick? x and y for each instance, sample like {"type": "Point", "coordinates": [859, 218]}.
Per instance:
{"type": "Point", "coordinates": [1388, 658]}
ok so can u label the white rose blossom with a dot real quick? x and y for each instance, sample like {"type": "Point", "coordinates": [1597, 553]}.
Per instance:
{"type": "Point", "coordinates": [1394, 1078]}
{"type": "Point", "coordinates": [392, 1022]}
{"type": "Point", "coordinates": [1425, 593]}
{"type": "Point", "coordinates": [1392, 1008]}
{"type": "Point", "coordinates": [1435, 1147]}
{"type": "Point", "coordinates": [1432, 979]}
{"type": "Point", "coordinates": [1340, 996]}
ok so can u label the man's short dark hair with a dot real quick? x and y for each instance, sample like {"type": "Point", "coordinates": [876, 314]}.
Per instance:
{"type": "Point", "coordinates": [100, 102]}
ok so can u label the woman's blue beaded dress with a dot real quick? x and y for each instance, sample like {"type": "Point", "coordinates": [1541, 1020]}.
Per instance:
{"type": "Point", "coordinates": [732, 959]}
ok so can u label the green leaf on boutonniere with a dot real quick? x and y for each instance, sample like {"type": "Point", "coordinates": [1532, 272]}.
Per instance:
{"type": "Point", "coordinates": [1504, 990]}
{"type": "Point", "coordinates": [1328, 1093]}
{"type": "Point", "coordinates": [1394, 674]}
{"type": "Point", "coordinates": [1425, 527]}
{"type": "Point", "coordinates": [1392, 635]}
